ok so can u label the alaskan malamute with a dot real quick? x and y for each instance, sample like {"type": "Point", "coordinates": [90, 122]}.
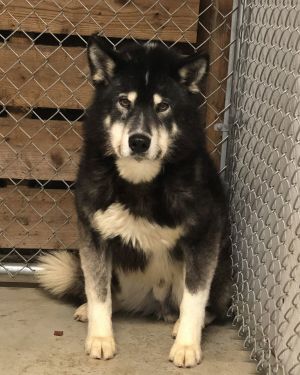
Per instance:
{"type": "Point", "coordinates": [151, 207]}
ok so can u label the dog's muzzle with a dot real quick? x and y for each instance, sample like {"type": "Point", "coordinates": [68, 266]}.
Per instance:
{"type": "Point", "coordinates": [139, 143]}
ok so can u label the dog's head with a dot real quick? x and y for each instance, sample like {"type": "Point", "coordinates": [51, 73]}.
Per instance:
{"type": "Point", "coordinates": [145, 105]}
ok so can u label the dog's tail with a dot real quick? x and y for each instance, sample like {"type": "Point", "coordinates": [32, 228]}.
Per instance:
{"type": "Point", "coordinates": [61, 275]}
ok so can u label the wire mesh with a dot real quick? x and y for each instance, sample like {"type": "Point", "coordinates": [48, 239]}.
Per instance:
{"type": "Point", "coordinates": [44, 92]}
{"type": "Point", "coordinates": [264, 175]}
{"type": "Point", "coordinates": [45, 89]}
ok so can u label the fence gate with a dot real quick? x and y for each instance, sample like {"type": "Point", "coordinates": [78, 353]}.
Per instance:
{"type": "Point", "coordinates": [264, 176]}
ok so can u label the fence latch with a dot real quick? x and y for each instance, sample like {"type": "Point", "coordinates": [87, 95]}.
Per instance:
{"type": "Point", "coordinates": [221, 127]}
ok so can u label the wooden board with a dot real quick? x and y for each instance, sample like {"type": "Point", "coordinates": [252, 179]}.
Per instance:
{"type": "Point", "coordinates": [30, 149]}
{"type": "Point", "coordinates": [37, 219]}
{"type": "Point", "coordinates": [141, 19]}
{"type": "Point", "coordinates": [219, 46]}
{"type": "Point", "coordinates": [44, 76]}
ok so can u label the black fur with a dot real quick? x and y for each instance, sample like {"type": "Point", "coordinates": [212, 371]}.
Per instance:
{"type": "Point", "coordinates": [187, 190]}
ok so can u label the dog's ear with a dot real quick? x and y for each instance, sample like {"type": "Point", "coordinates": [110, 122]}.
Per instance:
{"type": "Point", "coordinates": [191, 70]}
{"type": "Point", "coordinates": [103, 59]}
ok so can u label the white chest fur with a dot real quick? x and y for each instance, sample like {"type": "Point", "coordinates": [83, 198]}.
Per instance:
{"type": "Point", "coordinates": [117, 220]}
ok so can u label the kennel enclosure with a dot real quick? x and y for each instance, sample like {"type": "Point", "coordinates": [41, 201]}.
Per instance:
{"type": "Point", "coordinates": [250, 110]}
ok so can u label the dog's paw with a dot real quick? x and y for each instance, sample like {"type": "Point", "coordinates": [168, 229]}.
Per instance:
{"type": "Point", "coordinates": [209, 318]}
{"type": "Point", "coordinates": [185, 355]}
{"type": "Point", "coordinates": [170, 318]}
{"type": "Point", "coordinates": [81, 313]}
{"type": "Point", "coordinates": [100, 347]}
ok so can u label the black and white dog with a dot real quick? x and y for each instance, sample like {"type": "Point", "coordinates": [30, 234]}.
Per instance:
{"type": "Point", "coordinates": [151, 208]}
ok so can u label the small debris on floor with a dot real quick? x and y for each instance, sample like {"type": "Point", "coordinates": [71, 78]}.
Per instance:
{"type": "Point", "coordinates": [58, 333]}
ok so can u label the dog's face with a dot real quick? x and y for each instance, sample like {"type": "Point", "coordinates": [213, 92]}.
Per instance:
{"type": "Point", "coordinates": [145, 98]}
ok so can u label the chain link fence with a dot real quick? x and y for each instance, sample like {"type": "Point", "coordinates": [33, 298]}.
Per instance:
{"type": "Point", "coordinates": [264, 176]}
{"type": "Point", "coordinates": [44, 92]}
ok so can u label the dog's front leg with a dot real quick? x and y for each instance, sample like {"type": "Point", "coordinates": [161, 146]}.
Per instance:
{"type": "Point", "coordinates": [199, 267]}
{"type": "Point", "coordinates": [96, 266]}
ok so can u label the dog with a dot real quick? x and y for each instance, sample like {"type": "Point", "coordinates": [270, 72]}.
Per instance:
{"type": "Point", "coordinates": [151, 207]}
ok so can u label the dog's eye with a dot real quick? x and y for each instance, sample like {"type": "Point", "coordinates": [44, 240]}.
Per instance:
{"type": "Point", "coordinates": [124, 102]}
{"type": "Point", "coordinates": [162, 107]}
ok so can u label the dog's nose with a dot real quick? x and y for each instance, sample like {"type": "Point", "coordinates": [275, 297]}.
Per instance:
{"type": "Point", "coordinates": [139, 143]}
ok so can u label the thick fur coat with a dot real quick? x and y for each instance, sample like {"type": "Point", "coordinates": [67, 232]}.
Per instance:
{"type": "Point", "coordinates": [151, 207]}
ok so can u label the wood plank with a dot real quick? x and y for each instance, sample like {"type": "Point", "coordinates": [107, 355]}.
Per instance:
{"type": "Point", "coordinates": [37, 219]}
{"type": "Point", "coordinates": [44, 76]}
{"type": "Point", "coordinates": [141, 19]}
{"type": "Point", "coordinates": [216, 82]}
{"type": "Point", "coordinates": [31, 149]}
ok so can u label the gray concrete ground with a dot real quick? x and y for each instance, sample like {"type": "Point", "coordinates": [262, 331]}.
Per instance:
{"type": "Point", "coordinates": [28, 320]}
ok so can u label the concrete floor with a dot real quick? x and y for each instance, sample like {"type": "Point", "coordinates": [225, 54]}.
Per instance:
{"type": "Point", "coordinates": [27, 345]}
